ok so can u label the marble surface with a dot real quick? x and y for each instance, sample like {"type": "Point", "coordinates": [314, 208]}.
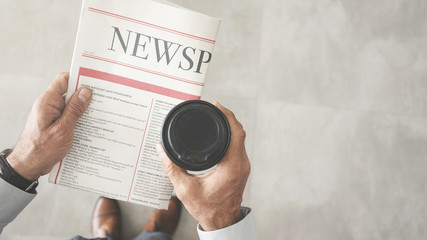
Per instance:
{"type": "Point", "coordinates": [332, 95]}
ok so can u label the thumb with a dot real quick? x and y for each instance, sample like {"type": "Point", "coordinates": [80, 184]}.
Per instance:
{"type": "Point", "coordinates": [176, 174]}
{"type": "Point", "coordinates": [76, 106]}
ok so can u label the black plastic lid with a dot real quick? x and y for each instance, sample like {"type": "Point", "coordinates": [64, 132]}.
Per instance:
{"type": "Point", "coordinates": [195, 135]}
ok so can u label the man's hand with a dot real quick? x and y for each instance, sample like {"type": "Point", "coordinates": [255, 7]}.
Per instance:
{"type": "Point", "coordinates": [214, 199]}
{"type": "Point", "coordinates": [48, 134]}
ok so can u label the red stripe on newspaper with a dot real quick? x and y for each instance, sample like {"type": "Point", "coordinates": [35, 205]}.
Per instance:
{"type": "Point", "coordinates": [136, 84]}
{"type": "Point", "coordinates": [142, 69]}
{"type": "Point", "coordinates": [60, 164]}
{"type": "Point", "coordinates": [77, 83]}
{"type": "Point", "coordinates": [151, 25]}
{"type": "Point", "coordinates": [139, 154]}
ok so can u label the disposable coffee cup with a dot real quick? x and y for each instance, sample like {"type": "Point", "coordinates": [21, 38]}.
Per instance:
{"type": "Point", "coordinates": [196, 136]}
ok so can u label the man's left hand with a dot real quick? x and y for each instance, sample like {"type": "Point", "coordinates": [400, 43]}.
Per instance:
{"type": "Point", "coordinates": [48, 134]}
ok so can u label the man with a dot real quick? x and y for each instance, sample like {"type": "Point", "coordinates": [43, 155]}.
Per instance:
{"type": "Point", "coordinates": [214, 199]}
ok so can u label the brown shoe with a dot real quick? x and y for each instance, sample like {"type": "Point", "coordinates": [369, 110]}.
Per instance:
{"type": "Point", "coordinates": [165, 221]}
{"type": "Point", "coordinates": [106, 219]}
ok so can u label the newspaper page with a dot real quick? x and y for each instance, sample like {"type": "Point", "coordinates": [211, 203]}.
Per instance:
{"type": "Point", "coordinates": [140, 58]}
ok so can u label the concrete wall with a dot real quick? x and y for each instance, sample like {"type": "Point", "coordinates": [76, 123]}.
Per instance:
{"type": "Point", "coordinates": [332, 94]}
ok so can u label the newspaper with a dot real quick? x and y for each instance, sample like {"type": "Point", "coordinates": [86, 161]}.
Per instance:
{"type": "Point", "coordinates": [140, 58]}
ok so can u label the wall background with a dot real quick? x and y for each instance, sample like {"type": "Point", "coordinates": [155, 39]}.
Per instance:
{"type": "Point", "coordinates": [332, 94]}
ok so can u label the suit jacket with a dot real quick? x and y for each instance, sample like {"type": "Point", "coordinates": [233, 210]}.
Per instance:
{"type": "Point", "coordinates": [14, 200]}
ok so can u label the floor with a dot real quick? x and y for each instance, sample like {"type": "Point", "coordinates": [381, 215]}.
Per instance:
{"type": "Point", "coordinates": [332, 94]}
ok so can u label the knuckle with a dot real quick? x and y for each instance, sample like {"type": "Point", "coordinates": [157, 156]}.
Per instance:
{"type": "Point", "coordinates": [40, 101]}
{"type": "Point", "coordinates": [36, 106]}
{"type": "Point", "coordinates": [238, 174]}
{"type": "Point", "coordinates": [75, 110]}
{"type": "Point", "coordinates": [248, 168]}
{"type": "Point", "coordinates": [39, 106]}
{"type": "Point", "coordinates": [167, 168]}
{"type": "Point", "coordinates": [241, 133]}
{"type": "Point", "coordinates": [60, 75]}
{"type": "Point", "coordinates": [228, 113]}
{"type": "Point", "coordinates": [231, 114]}
{"type": "Point", "coordinates": [233, 176]}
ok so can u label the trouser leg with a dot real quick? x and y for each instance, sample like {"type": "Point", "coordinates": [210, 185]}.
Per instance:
{"type": "Point", "coordinates": [82, 238]}
{"type": "Point", "coordinates": [153, 236]}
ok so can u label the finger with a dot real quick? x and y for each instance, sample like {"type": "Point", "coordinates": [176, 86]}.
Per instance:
{"type": "Point", "coordinates": [53, 96]}
{"type": "Point", "coordinates": [176, 174]}
{"type": "Point", "coordinates": [60, 84]}
{"type": "Point", "coordinates": [238, 135]}
{"type": "Point", "coordinates": [237, 131]}
{"type": "Point", "coordinates": [76, 107]}
{"type": "Point", "coordinates": [231, 118]}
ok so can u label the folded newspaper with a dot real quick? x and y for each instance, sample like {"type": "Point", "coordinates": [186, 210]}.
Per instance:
{"type": "Point", "coordinates": [140, 58]}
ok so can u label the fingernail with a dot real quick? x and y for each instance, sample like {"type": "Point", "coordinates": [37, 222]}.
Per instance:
{"type": "Point", "coordinates": [85, 94]}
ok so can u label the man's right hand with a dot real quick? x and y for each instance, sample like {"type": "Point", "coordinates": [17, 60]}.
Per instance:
{"type": "Point", "coordinates": [214, 199]}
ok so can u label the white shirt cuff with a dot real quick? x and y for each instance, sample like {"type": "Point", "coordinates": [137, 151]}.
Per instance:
{"type": "Point", "coordinates": [244, 229]}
